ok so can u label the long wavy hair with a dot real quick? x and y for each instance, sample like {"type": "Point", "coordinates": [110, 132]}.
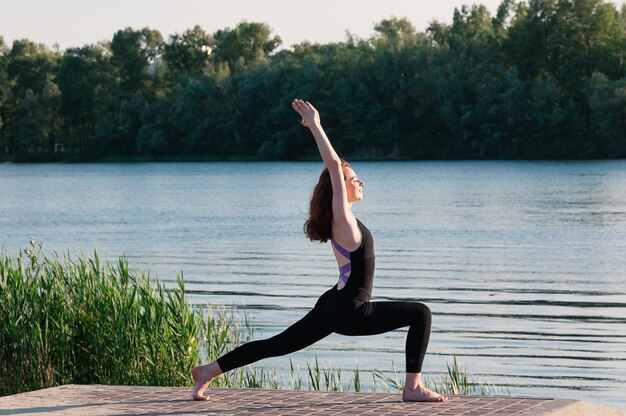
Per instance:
{"type": "Point", "coordinates": [318, 227]}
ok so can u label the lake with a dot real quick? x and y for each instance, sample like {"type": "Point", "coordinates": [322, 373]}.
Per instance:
{"type": "Point", "coordinates": [522, 263]}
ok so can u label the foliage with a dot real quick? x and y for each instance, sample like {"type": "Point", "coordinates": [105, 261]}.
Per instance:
{"type": "Point", "coordinates": [540, 79]}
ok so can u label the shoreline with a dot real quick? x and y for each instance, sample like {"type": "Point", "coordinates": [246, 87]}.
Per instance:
{"type": "Point", "coordinates": [238, 159]}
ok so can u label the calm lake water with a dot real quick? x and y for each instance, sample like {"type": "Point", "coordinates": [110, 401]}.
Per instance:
{"type": "Point", "coordinates": [522, 263]}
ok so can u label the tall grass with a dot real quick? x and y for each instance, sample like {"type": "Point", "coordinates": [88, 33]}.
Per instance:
{"type": "Point", "coordinates": [457, 381]}
{"type": "Point", "coordinates": [70, 320]}
{"type": "Point", "coordinates": [65, 320]}
{"type": "Point", "coordinates": [326, 378]}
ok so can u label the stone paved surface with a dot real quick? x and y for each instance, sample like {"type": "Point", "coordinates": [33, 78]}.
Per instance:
{"type": "Point", "coordinates": [120, 400]}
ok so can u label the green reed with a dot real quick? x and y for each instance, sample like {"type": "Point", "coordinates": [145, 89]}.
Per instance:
{"type": "Point", "coordinates": [70, 320]}
{"type": "Point", "coordinates": [457, 381]}
{"type": "Point", "coordinates": [65, 320]}
{"type": "Point", "coordinates": [319, 378]}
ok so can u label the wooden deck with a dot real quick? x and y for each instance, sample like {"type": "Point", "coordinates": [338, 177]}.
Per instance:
{"type": "Point", "coordinates": [123, 400]}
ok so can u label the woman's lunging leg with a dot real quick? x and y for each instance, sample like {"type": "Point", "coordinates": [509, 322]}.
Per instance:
{"type": "Point", "coordinates": [380, 317]}
{"type": "Point", "coordinates": [418, 337]}
{"type": "Point", "coordinates": [303, 333]}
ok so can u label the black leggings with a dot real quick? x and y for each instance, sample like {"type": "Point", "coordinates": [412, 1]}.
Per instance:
{"type": "Point", "coordinates": [368, 318]}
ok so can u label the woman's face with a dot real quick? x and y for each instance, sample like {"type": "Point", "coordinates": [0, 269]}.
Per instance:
{"type": "Point", "coordinates": [354, 185]}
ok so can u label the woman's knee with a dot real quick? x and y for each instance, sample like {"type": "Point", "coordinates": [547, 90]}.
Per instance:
{"type": "Point", "coordinates": [424, 312]}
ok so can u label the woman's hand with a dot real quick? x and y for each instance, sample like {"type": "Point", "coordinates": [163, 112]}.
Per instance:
{"type": "Point", "coordinates": [310, 116]}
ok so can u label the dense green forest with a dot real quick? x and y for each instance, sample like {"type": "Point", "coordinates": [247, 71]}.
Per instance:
{"type": "Point", "coordinates": [540, 79]}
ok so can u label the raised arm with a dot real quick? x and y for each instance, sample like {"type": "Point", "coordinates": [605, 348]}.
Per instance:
{"type": "Point", "coordinates": [345, 228]}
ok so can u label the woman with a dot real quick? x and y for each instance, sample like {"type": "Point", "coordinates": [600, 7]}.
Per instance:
{"type": "Point", "coordinates": [346, 308]}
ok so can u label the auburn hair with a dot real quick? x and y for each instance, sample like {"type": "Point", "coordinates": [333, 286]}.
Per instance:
{"type": "Point", "coordinates": [318, 227]}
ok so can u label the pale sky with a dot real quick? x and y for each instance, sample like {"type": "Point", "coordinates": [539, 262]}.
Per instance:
{"type": "Point", "coordinates": [79, 22]}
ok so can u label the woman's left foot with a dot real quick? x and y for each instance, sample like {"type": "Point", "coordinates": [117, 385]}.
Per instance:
{"type": "Point", "coordinates": [422, 394]}
{"type": "Point", "coordinates": [201, 379]}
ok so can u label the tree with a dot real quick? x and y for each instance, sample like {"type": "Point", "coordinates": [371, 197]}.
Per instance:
{"type": "Point", "coordinates": [188, 120]}
{"type": "Point", "coordinates": [395, 32]}
{"type": "Point", "coordinates": [527, 46]}
{"type": "Point", "coordinates": [607, 103]}
{"type": "Point", "coordinates": [501, 21]}
{"type": "Point", "coordinates": [83, 76]}
{"type": "Point", "coordinates": [4, 94]}
{"type": "Point", "coordinates": [39, 123]}
{"type": "Point", "coordinates": [134, 53]}
{"type": "Point", "coordinates": [588, 36]}
{"type": "Point", "coordinates": [187, 53]}
{"type": "Point", "coordinates": [34, 97]}
{"type": "Point", "coordinates": [245, 46]}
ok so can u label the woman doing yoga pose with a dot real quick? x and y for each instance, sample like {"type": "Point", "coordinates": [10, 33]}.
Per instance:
{"type": "Point", "coordinates": [345, 308]}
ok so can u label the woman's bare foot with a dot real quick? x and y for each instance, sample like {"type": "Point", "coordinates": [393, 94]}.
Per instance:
{"type": "Point", "coordinates": [202, 377]}
{"type": "Point", "coordinates": [422, 394]}
{"type": "Point", "coordinates": [201, 380]}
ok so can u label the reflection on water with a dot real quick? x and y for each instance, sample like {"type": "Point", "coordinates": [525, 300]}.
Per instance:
{"type": "Point", "coordinates": [521, 262]}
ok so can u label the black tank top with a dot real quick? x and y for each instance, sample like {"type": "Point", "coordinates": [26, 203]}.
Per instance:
{"type": "Point", "coordinates": [359, 285]}
{"type": "Point", "coordinates": [339, 309]}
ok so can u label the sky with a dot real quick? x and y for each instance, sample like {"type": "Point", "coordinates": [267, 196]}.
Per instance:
{"type": "Point", "coordinates": [71, 23]}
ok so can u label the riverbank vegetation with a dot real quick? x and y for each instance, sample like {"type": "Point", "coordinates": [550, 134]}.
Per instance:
{"type": "Point", "coordinates": [67, 320]}
{"type": "Point", "coordinates": [539, 79]}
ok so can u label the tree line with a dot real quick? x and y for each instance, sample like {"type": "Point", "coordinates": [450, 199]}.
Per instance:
{"type": "Point", "coordinates": [540, 79]}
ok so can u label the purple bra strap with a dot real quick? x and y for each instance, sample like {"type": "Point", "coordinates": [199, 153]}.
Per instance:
{"type": "Point", "coordinates": [341, 250]}
{"type": "Point", "coordinates": [344, 279]}
{"type": "Point", "coordinates": [346, 267]}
